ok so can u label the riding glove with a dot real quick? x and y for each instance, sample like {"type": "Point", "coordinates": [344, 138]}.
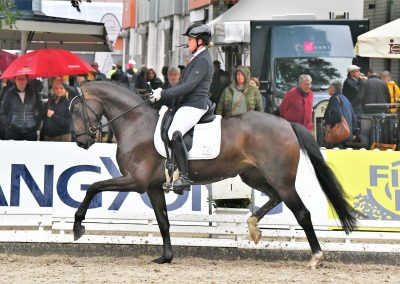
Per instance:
{"type": "Point", "coordinates": [156, 96]}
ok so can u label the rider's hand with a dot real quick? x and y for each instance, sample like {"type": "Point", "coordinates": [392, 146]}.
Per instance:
{"type": "Point", "coordinates": [156, 96]}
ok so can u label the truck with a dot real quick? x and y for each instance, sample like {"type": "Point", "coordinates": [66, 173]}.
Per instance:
{"type": "Point", "coordinates": [282, 50]}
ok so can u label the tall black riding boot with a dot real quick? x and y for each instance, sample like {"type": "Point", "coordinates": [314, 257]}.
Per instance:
{"type": "Point", "coordinates": [181, 156]}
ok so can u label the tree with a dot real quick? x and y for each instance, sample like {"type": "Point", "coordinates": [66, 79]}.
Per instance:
{"type": "Point", "coordinates": [76, 4]}
{"type": "Point", "coordinates": [9, 15]}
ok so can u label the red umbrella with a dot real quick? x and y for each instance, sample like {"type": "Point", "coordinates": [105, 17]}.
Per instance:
{"type": "Point", "coordinates": [5, 59]}
{"type": "Point", "coordinates": [47, 63]}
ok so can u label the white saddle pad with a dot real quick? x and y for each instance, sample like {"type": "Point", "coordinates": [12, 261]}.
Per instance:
{"type": "Point", "coordinates": [206, 139]}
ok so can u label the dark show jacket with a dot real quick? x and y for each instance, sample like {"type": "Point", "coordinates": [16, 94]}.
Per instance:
{"type": "Point", "coordinates": [193, 88]}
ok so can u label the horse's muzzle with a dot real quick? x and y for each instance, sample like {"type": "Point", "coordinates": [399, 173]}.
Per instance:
{"type": "Point", "coordinates": [85, 145]}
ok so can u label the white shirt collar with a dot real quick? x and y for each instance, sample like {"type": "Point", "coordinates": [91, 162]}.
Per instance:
{"type": "Point", "coordinates": [197, 52]}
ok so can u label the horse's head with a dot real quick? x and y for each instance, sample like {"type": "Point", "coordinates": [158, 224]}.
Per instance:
{"type": "Point", "coordinates": [86, 118]}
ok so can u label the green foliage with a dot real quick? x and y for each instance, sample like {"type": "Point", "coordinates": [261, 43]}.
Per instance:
{"type": "Point", "coordinates": [232, 203]}
{"type": "Point", "coordinates": [8, 15]}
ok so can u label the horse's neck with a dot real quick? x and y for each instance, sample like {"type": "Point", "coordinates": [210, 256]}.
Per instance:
{"type": "Point", "coordinates": [141, 116]}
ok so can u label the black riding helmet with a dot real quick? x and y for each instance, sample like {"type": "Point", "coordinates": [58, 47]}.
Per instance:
{"type": "Point", "coordinates": [199, 31]}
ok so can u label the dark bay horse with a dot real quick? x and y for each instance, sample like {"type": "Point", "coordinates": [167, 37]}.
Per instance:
{"type": "Point", "coordinates": [262, 148]}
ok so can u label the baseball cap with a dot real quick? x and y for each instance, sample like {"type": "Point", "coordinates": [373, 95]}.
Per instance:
{"type": "Point", "coordinates": [352, 68]}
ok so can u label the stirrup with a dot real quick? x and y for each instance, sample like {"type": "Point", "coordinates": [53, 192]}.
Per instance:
{"type": "Point", "coordinates": [178, 189]}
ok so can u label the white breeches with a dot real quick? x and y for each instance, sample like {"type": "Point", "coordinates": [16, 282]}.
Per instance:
{"type": "Point", "coordinates": [184, 119]}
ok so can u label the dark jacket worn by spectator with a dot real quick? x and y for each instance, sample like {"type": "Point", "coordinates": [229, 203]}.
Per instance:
{"type": "Point", "coordinates": [219, 82]}
{"type": "Point", "coordinates": [374, 91]}
{"type": "Point", "coordinates": [60, 122]}
{"type": "Point", "coordinates": [339, 105]}
{"type": "Point", "coordinates": [22, 119]}
{"type": "Point", "coordinates": [351, 90]}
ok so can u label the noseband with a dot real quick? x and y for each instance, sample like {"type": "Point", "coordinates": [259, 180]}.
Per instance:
{"type": "Point", "coordinates": [91, 129]}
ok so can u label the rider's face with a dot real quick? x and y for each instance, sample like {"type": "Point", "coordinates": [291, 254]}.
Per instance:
{"type": "Point", "coordinates": [192, 44]}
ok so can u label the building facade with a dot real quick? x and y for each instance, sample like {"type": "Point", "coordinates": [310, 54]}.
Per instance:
{"type": "Point", "coordinates": [152, 29]}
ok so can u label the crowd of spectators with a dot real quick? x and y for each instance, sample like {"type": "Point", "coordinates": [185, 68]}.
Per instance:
{"type": "Point", "coordinates": [50, 119]}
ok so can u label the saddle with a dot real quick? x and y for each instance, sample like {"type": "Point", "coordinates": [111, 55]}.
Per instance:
{"type": "Point", "coordinates": [197, 140]}
{"type": "Point", "coordinates": [209, 116]}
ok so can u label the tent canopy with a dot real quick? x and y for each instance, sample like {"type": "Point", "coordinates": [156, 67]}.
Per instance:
{"type": "Point", "coordinates": [382, 42]}
{"type": "Point", "coordinates": [35, 31]}
{"type": "Point", "coordinates": [233, 26]}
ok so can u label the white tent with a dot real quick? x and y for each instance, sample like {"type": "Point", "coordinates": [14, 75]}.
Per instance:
{"type": "Point", "coordinates": [383, 42]}
{"type": "Point", "coordinates": [233, 26]}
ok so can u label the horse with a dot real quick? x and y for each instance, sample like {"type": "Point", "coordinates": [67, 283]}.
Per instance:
{"type": "Point", "coordinates": [263, 149]}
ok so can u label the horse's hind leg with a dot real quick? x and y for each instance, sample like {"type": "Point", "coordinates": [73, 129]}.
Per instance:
{"type": "Point", "coordinates": [256, 180]}
{"type": "Point", "coordinates": [123, 183]}
{"type": "Point", "coordinates": [303, 217]}
{"type": "Point", "coordinates": [281, 186]}
{"type": "Point", "coordinates": [157, 199]}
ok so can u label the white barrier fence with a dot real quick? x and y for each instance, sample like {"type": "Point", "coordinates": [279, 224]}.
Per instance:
{"type": "Point", "coordinates": [43, 225]}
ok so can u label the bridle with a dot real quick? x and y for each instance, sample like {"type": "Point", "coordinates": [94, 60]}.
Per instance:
{"type": "Point", "coordinates": [90, 128]}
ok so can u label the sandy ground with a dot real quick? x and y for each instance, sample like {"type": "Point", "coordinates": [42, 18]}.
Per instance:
{"type": "Point", "coordinates": [66, 269]}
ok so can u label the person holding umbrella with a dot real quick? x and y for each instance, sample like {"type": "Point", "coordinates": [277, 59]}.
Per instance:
{"type": "Point", "coordinates": [21, 111]}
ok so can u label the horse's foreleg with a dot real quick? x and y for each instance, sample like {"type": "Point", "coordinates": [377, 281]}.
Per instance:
{"type": "Point", "coordinates": [157, 199]}
{"type": "Point", "coordinates": [123, 183]}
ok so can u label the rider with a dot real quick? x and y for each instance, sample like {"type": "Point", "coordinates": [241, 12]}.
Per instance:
{"type": "Point", "coordinates": [189, 97]}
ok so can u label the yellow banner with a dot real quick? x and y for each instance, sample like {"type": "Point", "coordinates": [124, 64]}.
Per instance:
{"type": "Point", "coordinates": [371, 179]}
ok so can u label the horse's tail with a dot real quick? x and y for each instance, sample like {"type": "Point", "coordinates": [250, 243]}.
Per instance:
{"type": "Point", "coordinates": [327, 179]}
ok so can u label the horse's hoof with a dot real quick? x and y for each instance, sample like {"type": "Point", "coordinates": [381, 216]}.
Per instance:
{"type": "Point", "coordinates": [162, 260]}
{"type": "Point", "coordinates": [79, 231]}
{"type": "Point", "coordinates": [254, 231]}
{"type": "Point", "coordinates": [315, 260]}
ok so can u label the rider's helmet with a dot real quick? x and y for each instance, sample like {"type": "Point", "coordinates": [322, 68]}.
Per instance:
{"type": "Point", "coordinates": [199, 31]}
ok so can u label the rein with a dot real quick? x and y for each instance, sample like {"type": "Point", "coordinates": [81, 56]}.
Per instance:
{"type": "Point", "coordinates": [92, 130]}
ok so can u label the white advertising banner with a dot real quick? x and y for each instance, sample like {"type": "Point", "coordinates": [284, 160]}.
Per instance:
{"type": "Point", "coordinates": [57, 175]}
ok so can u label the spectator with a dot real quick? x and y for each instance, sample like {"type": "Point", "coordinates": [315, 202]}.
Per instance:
{"type": "Point", "coordinates": [21, 111]}
{"type": "Point", "coordinates": [339, 106]}
{"type": "Point", "coordinates": [112, 71]}
{"type": "Point", "coordinates": [240, 96]}
{"type": "Point", "coordinates": [297, 103]}
{"type": "Point", "coordinates": [77, 82]}
{"type": "Point", "coordinates": [352, 87]}
{"type": "Point", "coordinates": [173, 76]}
{"type": "Point", "coordinates": [182, 67]}
{"type": "Point", "coordinates": [57, 123]}
{"type": "Point", "coordinates": [164, 72]}
{"type": "Point", "coordinates": [131, 72]}
{"type": "Point", "coordinates": [96, 75]}
{"type": "Point", "coordinates": [121, 77]}
{"type": "Point", "coordinates": [151, 77]}
{"type": "Point", "coordinates": [374, 91]}
{"type": "Point", "coordinates": [393, 90]}
{"type": "Point", "coordinates": [219, 82]}
{"type": "Point", "coordinates": [140, 81]}
{"type": "Point", "coordinates": [5, 86]}
{"type": "Point", "coordinates": [267, 105]}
